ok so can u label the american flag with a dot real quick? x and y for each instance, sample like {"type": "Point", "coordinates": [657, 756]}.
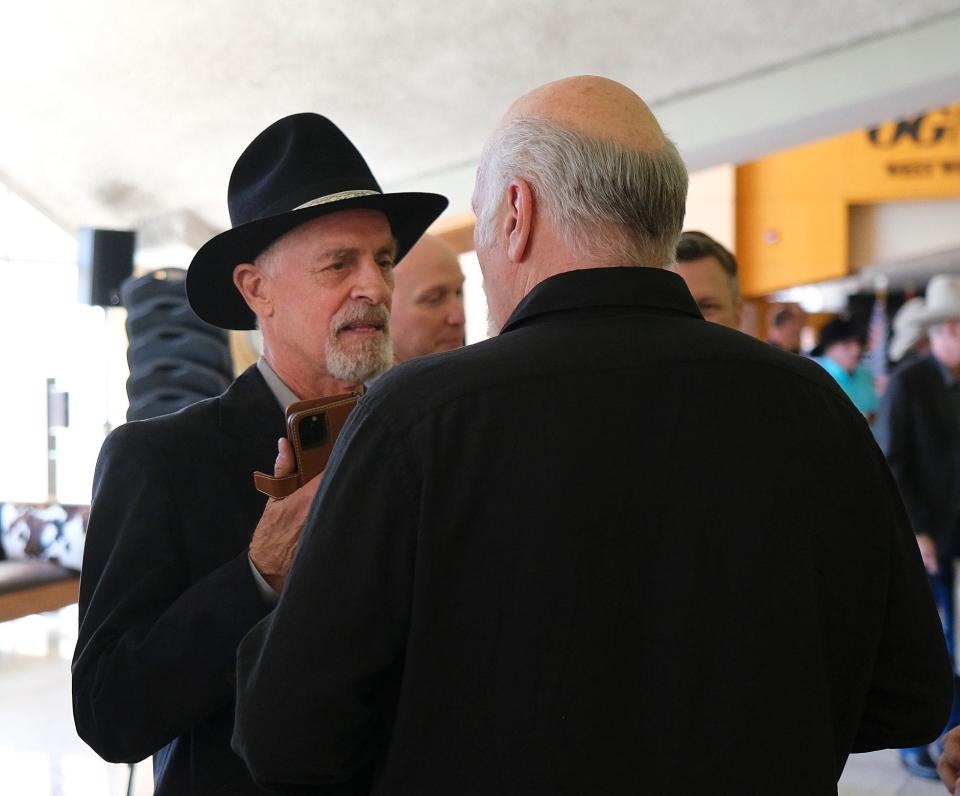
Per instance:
{"type": "Point", "coordinates": [877, 333]}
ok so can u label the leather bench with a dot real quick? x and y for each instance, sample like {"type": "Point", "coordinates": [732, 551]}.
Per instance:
{"type": "Point", "coordinates": [31, 586]}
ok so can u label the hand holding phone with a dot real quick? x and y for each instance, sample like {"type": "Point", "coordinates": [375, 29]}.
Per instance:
{"type": "Point", "coordinates": [312, 428]}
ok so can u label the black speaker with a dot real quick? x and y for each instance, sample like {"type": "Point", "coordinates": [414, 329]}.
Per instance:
{"type": "Point", "coordinates": [105, 259]}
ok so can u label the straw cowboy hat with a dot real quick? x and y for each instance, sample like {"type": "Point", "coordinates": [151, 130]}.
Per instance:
{"type": "Point", "coordinates": [907, 331]}
{"type": "Point", "coordinates": [299, 168]}
{"type": "Point", "coordinates": [942, 302]}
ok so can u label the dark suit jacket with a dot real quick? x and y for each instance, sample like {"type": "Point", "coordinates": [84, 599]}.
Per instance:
{"type": "Point", "coordinates": [918, 430]}
{"type": "Point", "coordinates": [166, 589]}
{"type": "Point", "coordinates": [614, 550]}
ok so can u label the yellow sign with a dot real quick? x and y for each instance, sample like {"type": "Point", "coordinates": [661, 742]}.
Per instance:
{"type": "Point", "coordinates": [792, 207]}
{"type": "Point", "coordinates": [918, 156]}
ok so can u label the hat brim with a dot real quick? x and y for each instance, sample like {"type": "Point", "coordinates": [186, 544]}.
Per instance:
{"type": "Point", "coordinates": [903, 341]}
{"type": "Point", "coordinates": [210, 288]}
{"type": "Point", "coordinates": [937, 315]}
{"type": "Point", "coordinates": [820, 349]}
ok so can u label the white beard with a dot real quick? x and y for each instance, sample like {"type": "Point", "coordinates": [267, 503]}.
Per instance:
{"type": "Point", "coordinates": [364, 359]}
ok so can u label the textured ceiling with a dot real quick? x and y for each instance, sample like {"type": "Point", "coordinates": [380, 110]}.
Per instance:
{"type": "Point", "coordinates": [114, 112]}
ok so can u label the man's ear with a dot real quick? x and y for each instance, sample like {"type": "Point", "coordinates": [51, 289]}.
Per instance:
{"type": "Point", "coordinates": [518, 221]}
{"type": "Point", "coordinates": [252, 284]}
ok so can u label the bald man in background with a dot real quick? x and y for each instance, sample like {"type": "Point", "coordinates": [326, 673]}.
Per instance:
{"type": "Point", "coordinates": [427, 312]}
{"type": "Point", "coordinates": [561, 561]}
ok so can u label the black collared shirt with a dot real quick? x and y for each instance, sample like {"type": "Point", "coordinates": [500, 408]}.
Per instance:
{"type": "Point", "coordinates": [557, 561]}
{"type": "Point", "coordinates": [953, 386]}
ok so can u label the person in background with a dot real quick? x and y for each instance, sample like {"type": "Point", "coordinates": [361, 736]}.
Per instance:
{"type": "Point", "coordinates": [427, 312]}
{"type": "Point", "coordinates": [710, 271]}
{"type": "Point", "coordinates": [839, 351]}
{"type": "Point", "coordinates": [785, 328]}
{"type": "Point", "coordinates": [561, 561]}
{"type": "Point", "coordinates": [183, 556]}
{"type": "Point", "coordinates": [918, 428]}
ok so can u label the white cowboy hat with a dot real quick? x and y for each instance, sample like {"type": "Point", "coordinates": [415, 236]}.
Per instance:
{"type": "Point", "coordinates": [943, 301]}
{"type": "Point", "coordinates": [907, 331]}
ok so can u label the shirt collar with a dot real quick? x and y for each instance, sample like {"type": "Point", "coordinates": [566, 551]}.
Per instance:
{"type": "Point", "coordinates": [284, 395]}
{"type": "Point", "coordinates": [654, 289]}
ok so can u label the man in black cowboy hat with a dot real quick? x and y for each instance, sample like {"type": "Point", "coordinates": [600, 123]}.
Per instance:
{"type": "Point", "coordinates": [183, 555]}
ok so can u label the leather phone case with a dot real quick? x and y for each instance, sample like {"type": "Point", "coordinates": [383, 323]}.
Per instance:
{"type": "Point", "coordinates": [312, 428]}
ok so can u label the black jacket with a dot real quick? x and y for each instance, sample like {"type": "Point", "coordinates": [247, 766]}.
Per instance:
{"type": "Point", "coordinates": [918, 430]}
{"type": "Point", "coordinates": [614, 550]}
{"type": "Point", "coordinates": [166, 590]}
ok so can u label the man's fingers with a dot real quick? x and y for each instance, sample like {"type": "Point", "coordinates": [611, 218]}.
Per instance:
{"type": "Point", "coordinates": [928, 552]}
{"type": "Point", "coordinates": [948, 776]}
{"type": "Point", "coordinates": [286, 462]}
{"type": "Point", "coordinates": [949, 760]}
{"type": "Point", "coordinates": [945, 774]}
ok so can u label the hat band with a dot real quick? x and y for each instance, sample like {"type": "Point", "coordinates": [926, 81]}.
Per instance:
{"type": "Point", "coordinates": [336, 197]}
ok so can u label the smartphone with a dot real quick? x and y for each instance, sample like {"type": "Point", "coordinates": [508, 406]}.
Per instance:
{"type": "Point", "coordinates": [312, 428]}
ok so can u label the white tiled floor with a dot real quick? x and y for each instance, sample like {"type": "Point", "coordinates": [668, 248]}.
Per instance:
{"type": "Point", "coordinates": [880, 774]}
{"type": "Point", "coordinates": [41, 755]}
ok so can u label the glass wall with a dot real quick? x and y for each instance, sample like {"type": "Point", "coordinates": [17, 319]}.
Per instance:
{"type": "Point", "coordinates": [46, 335]}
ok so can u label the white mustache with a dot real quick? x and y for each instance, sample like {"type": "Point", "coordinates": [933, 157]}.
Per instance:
{"type": "Point", "coordinates": [373, 314]}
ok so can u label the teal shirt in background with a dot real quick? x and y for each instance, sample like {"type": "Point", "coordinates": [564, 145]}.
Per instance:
{"type": "Point", "coordinates": [857, 385]}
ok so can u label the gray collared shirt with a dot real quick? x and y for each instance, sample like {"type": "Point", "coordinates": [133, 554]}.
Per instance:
{"type": "Point", "coordinates": [284, 395]}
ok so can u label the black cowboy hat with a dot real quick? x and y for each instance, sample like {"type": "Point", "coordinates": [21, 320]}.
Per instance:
{"type": "Point", "coordinates": [838, 330]}
{"type": "Point", "coordinates": [299, 168]}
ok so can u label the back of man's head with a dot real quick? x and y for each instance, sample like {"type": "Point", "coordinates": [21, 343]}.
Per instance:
{"type": "Point", "coordinates": [610, 185]}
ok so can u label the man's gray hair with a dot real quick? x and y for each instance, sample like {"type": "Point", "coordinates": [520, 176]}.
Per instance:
{"type": "Point", "coordinates": [624, 204]}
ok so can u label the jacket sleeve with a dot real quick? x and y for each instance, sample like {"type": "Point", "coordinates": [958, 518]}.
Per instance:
{"type": "Point", "coordinates": [315, 677]}
{"type": "Point", "coordinates": [157, 643]}
{"type": "Point", "coordinates": [896, 436]}
{"type": "Point", "coordinates": [911, 688]}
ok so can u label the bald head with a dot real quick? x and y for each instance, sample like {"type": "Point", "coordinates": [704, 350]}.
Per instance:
{"type": "Point", "coordinates": [578, 175]}
{"type": "Point", "coordinates": [427, 310]}
{"type": "Point", "coordinates": [429, 249]}
{"type": "Point", "coordinates": [595, 107]}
